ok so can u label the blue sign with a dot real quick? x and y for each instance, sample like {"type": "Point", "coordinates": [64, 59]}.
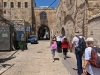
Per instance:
{"type": "Point", "coordinates": [27, 28]}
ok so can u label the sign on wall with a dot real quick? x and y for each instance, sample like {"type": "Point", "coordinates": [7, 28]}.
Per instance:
{"type": "Point", "coordinates": [27, 28]}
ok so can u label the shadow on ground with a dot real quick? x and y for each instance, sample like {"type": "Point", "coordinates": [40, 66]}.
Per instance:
{"type": "Point", "coordinates": [6, 59]}
{"type": "Point", "coordinates": [56, 59]}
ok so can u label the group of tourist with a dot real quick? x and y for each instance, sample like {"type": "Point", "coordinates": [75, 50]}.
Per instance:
{"type": "Point", "coordinates": [82, 46]}
{"type": "Point", "coordinates": [59, 43]}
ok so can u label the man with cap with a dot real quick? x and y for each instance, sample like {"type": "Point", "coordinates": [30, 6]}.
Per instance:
{"type": "Point", "coordinates": [88, 69]}
{"type": "Point", "coordinates": [78, 54]}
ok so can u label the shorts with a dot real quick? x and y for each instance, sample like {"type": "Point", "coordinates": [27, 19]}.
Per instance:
{"type": "Point", "coordinates": [53, 52]}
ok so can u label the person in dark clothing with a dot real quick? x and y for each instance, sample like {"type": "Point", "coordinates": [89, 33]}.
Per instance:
{"type": "Point", "coordinates": [65, 46]}
{"type": "Point", "coordinates": [59, 44]}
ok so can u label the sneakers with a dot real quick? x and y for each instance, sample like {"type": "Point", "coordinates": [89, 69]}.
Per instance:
{"type": "Point", "coordinates": [53, 60]}
{"type": "Point", "coordinates": [64, 58]}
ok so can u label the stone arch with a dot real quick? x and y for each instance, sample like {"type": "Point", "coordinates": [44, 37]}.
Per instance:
{"type": "Point", "coordinates": [44, 33]}
{"type": "Point", "coordinates": [63, 31]}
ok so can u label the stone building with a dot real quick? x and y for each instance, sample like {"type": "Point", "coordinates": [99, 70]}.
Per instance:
{"type": "Point", "coordinates": [94, 20]}
{"type": "Point", "coordinates": [45, 19]}
{"type": "Point", "coordinates": [94, 28]}
{"type": "Point", "coordinates": [71, 17]}
{"type": "Point", "coordinates": [1, 8]}
{"type": "Point", "coordinates": [19, 11]}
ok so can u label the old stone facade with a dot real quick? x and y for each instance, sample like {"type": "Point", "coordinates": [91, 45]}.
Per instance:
{"type": "Point", "coordinates": [93, 7]}
{"type": "Point", "coordinates": [94, 28]}
{"type": "Point", "coordinates": [71, 18]}
{"type": "Point", "coordinates": [1, 8]}
{"type": "Point", "coordinates": [19, 10]}
{"type": "Point", "coordinates": [45, 21]}
{"type": "Point", "coordinates": [94, 20]}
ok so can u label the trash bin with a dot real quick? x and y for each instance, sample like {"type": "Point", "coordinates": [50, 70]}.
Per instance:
{"type": "Point", "coordinates": [22, 45]}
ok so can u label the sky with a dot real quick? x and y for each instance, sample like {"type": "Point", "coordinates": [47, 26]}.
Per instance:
{"type": "Point", "coordinates": [46, 3]}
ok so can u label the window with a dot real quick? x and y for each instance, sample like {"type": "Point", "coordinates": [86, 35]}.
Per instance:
{"type": "Point", "coordinates": [69, 2]}
{"type": "Point", "coordinates": [19, 4]}
{"type": "Point", "coordinates": [12, 4]}
{"type": "Point", "coordinates": [5, 4]}
{"type": "Point", "coordinates": [26, 4]}
{"type": "Point", "coordinates": [43, 16]}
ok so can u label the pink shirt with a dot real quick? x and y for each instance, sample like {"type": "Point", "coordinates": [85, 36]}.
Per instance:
{"type": "Point", "coordinates": [54, 45]}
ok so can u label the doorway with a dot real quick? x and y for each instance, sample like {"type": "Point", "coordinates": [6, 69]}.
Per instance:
{"type": "Point", "coordinates": [63, 32]}
{"type": "Point", "coordinates": [44, 33]}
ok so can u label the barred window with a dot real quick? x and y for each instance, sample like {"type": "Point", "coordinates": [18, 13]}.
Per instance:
{"type": "Point", "coordinates": [26, 4]}
{"type": "Point", "coordinates": [43, 16]}
{"type": "Point", "coordinates": [19, 4]}
{"type": "Point", "coordinates": [69, 2]}
{"type": "Point", "coordinates": [5, 4]}
{"type": "Point", "coordinates": [12, 4]}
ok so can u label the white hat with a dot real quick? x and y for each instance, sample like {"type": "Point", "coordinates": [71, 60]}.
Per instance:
{"type": "Point", "coordinates": [64, 37]}
{"type": "Point", "coordinates": [78, 33]}
{"type": "Point", "coordinates": [89, 39]}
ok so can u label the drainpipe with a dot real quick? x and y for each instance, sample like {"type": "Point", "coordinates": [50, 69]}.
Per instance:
{"type": "Point", "coordinates": [86, 20]}
{"type": "Point", "coordinates": [32, 13]}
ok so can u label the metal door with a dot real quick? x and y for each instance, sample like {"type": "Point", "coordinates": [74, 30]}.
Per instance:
{"type": "Point", "coordinates": [5, 40]}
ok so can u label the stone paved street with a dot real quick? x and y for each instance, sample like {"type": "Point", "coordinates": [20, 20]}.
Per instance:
{"type": "Point", "coordinates": [36, 60]}
{"type": "Point", "coordinates": [5, 56]}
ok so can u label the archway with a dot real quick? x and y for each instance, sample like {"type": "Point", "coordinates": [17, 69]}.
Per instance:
{"type": "Point", "coordinates": [63, 32]}
{"type": "Point", "coordinates": [44, 33]}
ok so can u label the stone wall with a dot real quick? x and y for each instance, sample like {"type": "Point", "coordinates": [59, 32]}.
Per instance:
{"type": "Point", "coordinates": [94, 7]}
{"type": "Point", "coordinates": [19, 13]}
{"type": "Point", "coordinates": [71, 18]}
{"type": "Point", "coordinates": [50, 22]}
{"type": "Point", "coordinates": [94, 28]}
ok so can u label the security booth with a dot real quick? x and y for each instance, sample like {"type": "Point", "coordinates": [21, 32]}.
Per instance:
{"type": "Point", "coordinates": [6, 35]}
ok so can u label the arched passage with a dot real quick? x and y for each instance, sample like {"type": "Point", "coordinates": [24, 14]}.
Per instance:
{"type": "Point", "coordinates": [44, 33]}
{"type": "Point", "coordinates": [63, 32]}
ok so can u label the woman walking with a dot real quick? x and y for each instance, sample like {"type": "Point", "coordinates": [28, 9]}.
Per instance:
{"type": "Point", "coordinates": [65, 46]}
{"type": "Point", "coordinates": [53, 46]}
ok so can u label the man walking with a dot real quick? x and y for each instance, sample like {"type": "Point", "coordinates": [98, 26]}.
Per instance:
{"type": "Point", "coordinates": [75, 42]}
{"type": "Point", "coordinates": [89, 69]}
{"type": "Point", "coordinates": [59, 44]}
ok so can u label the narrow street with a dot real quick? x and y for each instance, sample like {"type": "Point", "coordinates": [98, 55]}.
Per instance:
{"type": "Point", "coordinates": [36, 60]}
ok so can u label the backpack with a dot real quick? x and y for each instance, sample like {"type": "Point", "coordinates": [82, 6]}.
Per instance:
{"type": "Point", "coordinates": [95, 57]}
{"type": "Point", "coordinates": [81, 44]}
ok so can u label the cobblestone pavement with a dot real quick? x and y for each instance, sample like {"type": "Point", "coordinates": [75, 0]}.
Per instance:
{"type": "Point", "coordinates": [36, 60]}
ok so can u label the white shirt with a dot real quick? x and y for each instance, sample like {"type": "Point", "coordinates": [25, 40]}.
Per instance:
{"type": "Point", "coordinates": [75, 40]}
{"type": "Point", "coordinates": [58, 38]}
{"type": "Point", "coordinates": [90, 69]}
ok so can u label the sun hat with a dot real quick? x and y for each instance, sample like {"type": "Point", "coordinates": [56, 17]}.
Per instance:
{"type": "Point", "coordinates": [64, 37]}
{"type": "Point", "coordinates": [78, 33]}
{"type": "Point", "coordinates": [89, 39]}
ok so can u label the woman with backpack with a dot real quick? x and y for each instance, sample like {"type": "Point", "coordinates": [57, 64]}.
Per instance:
{"type": "Point", "coordinates": [53, 46]}
{"type": "Point", "coordinates": [65, 46]}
